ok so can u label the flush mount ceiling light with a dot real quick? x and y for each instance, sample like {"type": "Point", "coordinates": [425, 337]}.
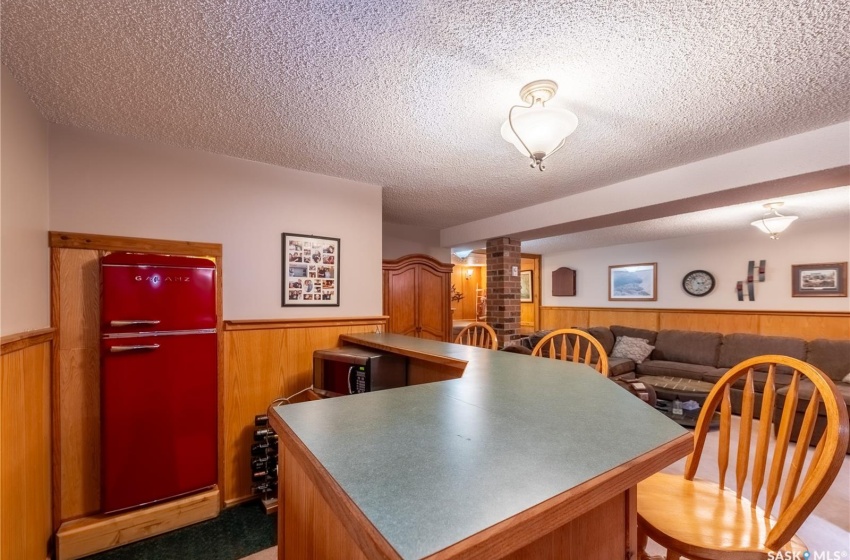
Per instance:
{"type": "Point", "coordinates": [536, 130]}
{"type": "Point", "coordinates": [462, 254]}
{"type": "Point", "coordinates": [773, 223]}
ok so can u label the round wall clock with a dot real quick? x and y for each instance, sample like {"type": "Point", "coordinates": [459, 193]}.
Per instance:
{"type": "Point", "coordinates": [698, 282]}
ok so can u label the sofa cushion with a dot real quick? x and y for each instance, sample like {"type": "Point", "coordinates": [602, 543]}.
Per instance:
{"type": "Point", "coordinates": [759, 378]}
{"type": "Point", "coordinates": [604, 336]}
{"type": "Point", "coordinates": [739, 347]}
{"type": "Point", "coordinates": [649, 336]}
{"type": "Point", "coordinates": [673, 369]}
{"type": "Point", "coordinates": [692, 347]}
{"type": "Point", "coordinates": [531, 340]}
{"type": "Point", "coordinates": [620, 366]}
{"type": "Point", "coordinates": [804, 394]}
{"type": "Point", "coordinates": [830, 356]}
{"type": "Point", "coordinates": [557, 341]}
{"type": "Point", "coordinates": [713, 376]}
{"type": "Point", "coordinates": [517, 349]}
{"type": "Point", "coordinates": [636, 349]}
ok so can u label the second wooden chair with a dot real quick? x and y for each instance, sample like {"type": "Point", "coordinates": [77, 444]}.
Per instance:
{"type": "Point", "coordinates": [573, 345]}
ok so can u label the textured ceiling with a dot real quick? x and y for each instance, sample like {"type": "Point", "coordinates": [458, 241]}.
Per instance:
{"type": "Point", "coordinates": [815, 207]}
{"type": "Point", "coordinates": [411, 94]}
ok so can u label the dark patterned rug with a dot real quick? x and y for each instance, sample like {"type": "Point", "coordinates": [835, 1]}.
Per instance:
{"type": "Point", "coordinates": [236, 532]}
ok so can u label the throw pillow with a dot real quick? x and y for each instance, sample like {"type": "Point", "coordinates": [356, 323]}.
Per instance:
{"type": "Point", "coordinates": [846, 378]}
{"type": "Point", "coordinates": [634, 349]}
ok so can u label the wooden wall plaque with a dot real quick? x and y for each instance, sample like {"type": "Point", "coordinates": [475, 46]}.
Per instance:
{"type": "Point", "coordinates": [564, 282]}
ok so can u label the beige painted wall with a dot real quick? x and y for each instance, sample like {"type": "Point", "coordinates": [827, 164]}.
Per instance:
{"type": "Point", "coordinates": [24, 256]}
{"type": "Point", "coordinates": [111, 186]}
{"type": "Point", "coordinates": [724, 255]}
{"type": "Point", "coordinates": [400, 240]}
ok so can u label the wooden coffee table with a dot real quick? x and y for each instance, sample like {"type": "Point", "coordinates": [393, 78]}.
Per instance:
{"type": "Point", "coordinates": [668, 389]}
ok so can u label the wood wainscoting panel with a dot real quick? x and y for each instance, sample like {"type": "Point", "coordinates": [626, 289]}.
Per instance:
{"type": "Point", "coordinates": [563, 317]}
{"type": "Point", "coordinates": [26, 522]}
{"type": "Point", "coordinates": [725, 323]}
{"type": "Point", "coordinates": [271, 360]}
{"type": "Point", "coordinates": [808, 326]}
{"type": "Point", "coordinates": [640, 318]}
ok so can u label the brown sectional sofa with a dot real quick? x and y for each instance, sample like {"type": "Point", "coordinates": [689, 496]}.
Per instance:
{"type": "Point", "coordinates": [706, 356]}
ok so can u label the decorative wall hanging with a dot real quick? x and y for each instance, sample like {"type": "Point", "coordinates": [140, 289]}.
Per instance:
{"type": "Point", "coordinates": [751, 289]}
{"type": "Point", "coordinates": [310, 271]}
{"type": "Point", "coordinates": [819, 280]}
{"type": "Point", "coordinates": [526, 288]}
{"type": "Point", "coordinates": [564, 282]}
{"type": "Point", "coordinates": [632, 282]}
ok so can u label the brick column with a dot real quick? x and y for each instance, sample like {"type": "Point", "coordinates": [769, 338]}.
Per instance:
{"type": "Point", "coordinates": [503, 262]}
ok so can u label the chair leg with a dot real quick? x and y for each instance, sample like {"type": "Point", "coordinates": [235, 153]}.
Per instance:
{"type": "Point", "coordinates": [642, 542]}
{"type": "Point", "coordinates": [671, 555]}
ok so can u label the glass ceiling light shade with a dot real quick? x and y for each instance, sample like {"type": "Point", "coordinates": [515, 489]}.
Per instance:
{"type": "Point", "coordinates": [773, 223]}
{"type": "Point", "coordinates": [536, 130]}
{"type": "Point", "coordinates": [463, 254]}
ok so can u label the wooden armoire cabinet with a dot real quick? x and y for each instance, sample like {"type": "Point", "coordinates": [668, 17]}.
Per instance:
{"type": "Point", "coordinates": [417, 297]}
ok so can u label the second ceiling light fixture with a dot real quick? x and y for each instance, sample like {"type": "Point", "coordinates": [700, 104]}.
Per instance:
{"type": "Point", "coordinates": [536, 130]}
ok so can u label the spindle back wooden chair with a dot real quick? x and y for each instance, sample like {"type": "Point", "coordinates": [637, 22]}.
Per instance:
{"type": "Point", "coordinates": [478, 334]}
{"type": "Point", "coordinates": [573, 345]}
{"type": "Point", "coordinates": [698, 519]}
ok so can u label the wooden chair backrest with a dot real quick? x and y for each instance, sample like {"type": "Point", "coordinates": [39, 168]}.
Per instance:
{"type": "Point", "coordinates": [573, 345]}
{"type": "Point", "coordinates": [794, 506]}
{"type": "Point", "coordinates": [477, 334]}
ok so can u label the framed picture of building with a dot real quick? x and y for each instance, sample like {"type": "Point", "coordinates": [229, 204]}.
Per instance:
{"type": "Point", "coordinates": [310, 270]}
{"type": "Point", "coordinates": [819, 280]}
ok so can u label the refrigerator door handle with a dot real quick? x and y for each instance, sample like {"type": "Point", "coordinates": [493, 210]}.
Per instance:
{"type": "Point", "coordinates": [131, 322]}
{"type": "Point", "coordinates": [132, 348]}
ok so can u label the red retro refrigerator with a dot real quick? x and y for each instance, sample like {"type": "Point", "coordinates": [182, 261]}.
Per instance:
{"type": "Point", "coordinates": [158, 378]}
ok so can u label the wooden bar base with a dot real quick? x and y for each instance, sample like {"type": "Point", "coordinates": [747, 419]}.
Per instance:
{"type": "Point", "coordinates": [82, 537]}
{"type": "Point", "coordinates": [317, 522]}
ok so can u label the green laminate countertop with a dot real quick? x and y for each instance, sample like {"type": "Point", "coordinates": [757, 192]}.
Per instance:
{"type": "Point", "coordinates": [430, 465]}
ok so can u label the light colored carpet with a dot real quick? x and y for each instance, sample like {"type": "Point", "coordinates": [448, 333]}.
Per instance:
{"type": "Point", "coordinates": [826, 530]}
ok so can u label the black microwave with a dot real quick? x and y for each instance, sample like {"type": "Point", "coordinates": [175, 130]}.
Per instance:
{"type": "Point", "coordinates": [349, 370]}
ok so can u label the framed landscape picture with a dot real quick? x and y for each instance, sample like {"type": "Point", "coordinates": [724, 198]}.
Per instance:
{"type": "Point", "coordinates": [632, 282]}
{"type": "Point", "coordinates": [819, 280]}
{"type": "Point", "coordinates": [310, 271]}
{"type": "Point", "coordinates": [526, 287]}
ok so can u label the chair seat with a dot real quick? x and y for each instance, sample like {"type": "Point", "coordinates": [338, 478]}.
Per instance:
{"type": "Point", "coordinates": [700, 520]}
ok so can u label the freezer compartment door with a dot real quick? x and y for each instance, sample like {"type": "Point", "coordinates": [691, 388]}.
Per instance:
{"type": "Point", "coordinates": [159, 418]}
{"type": "Point", "coordinates": [157, 298]}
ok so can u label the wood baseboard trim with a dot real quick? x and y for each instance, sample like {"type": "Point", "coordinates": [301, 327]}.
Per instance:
{"type": "Point", "coordinates": [19, 341]}
{"type": "Point", "coordinates": [89, 535]}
